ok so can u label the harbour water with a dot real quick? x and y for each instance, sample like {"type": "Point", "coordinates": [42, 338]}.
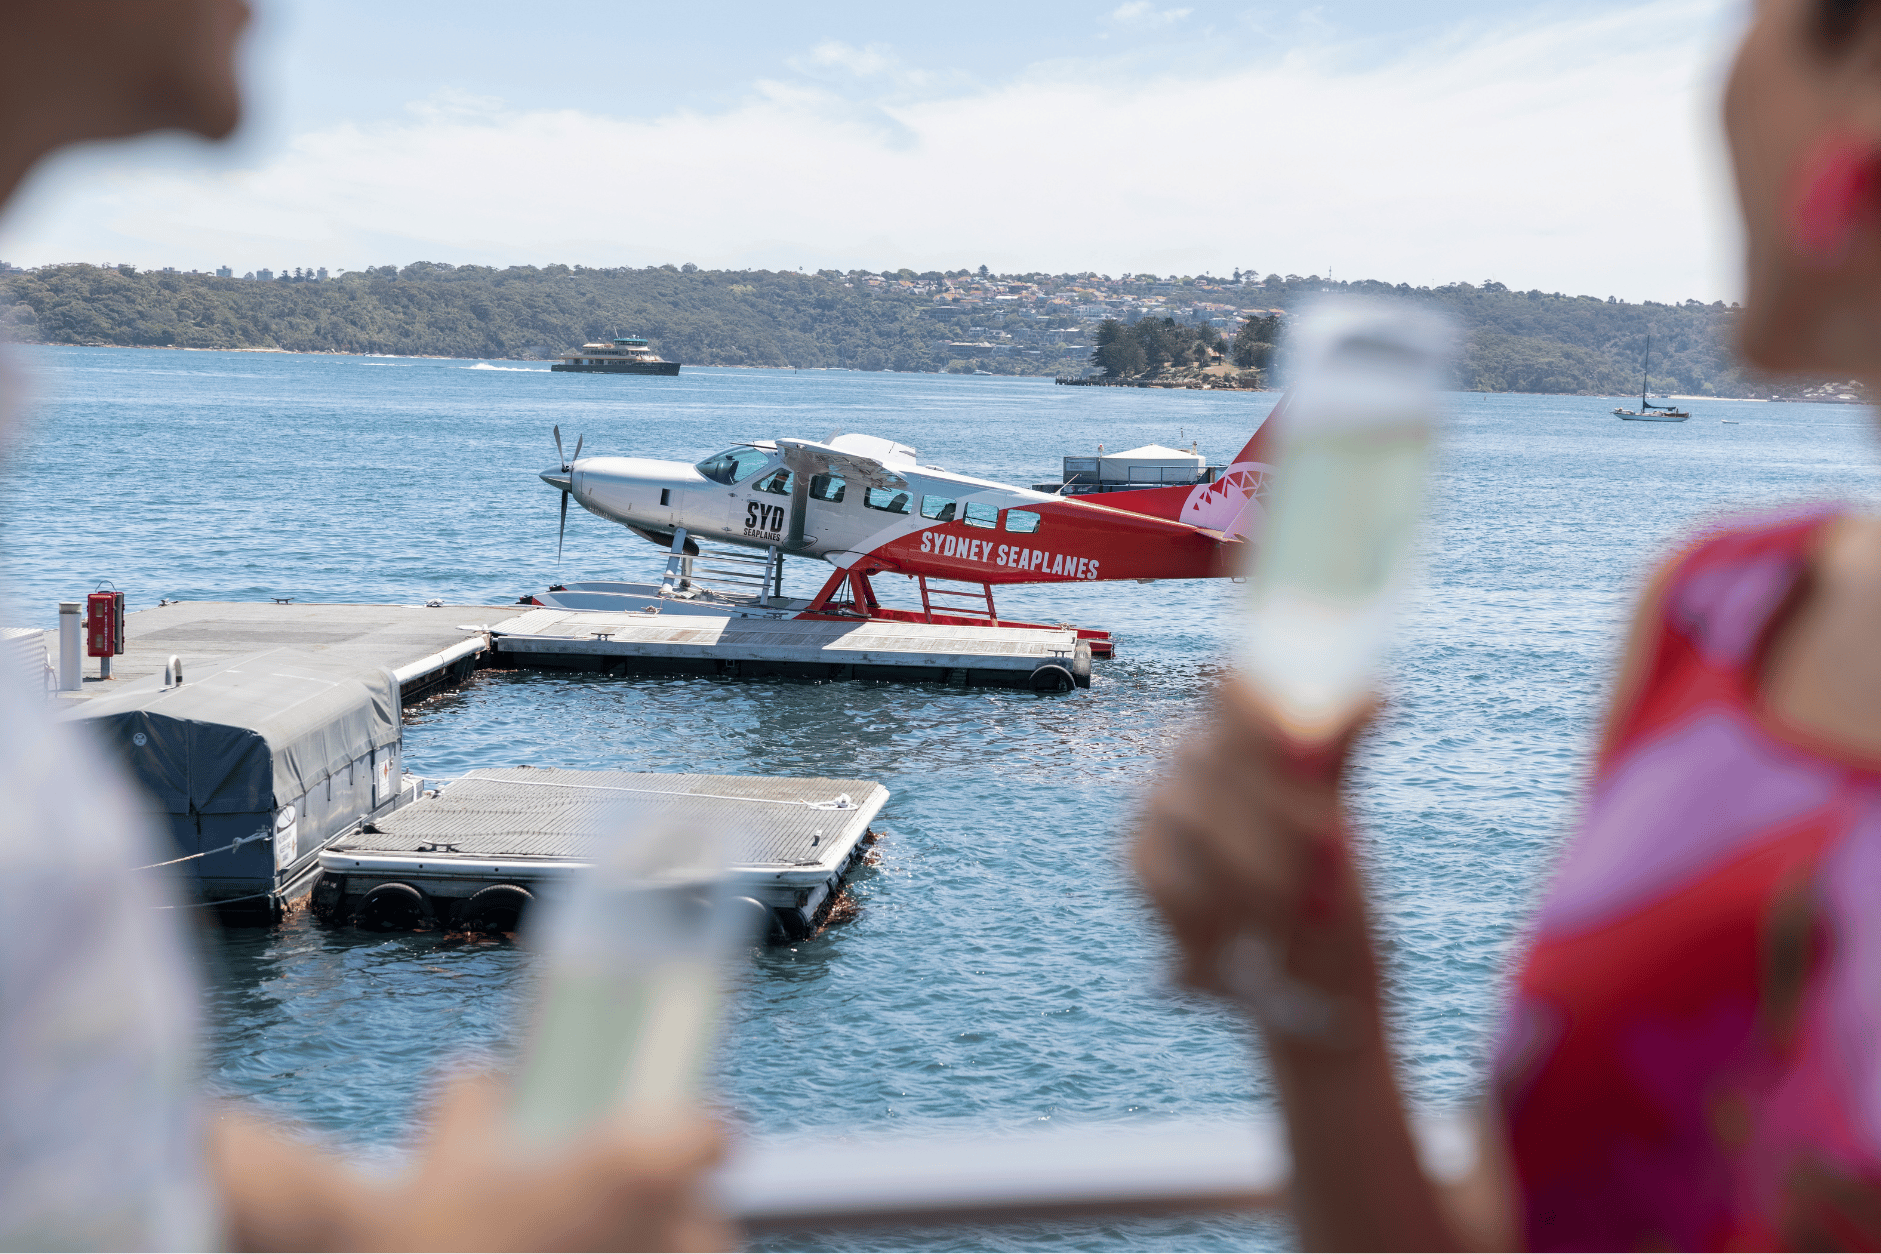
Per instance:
{"type": "Point", "coordinates": [1002, 973]}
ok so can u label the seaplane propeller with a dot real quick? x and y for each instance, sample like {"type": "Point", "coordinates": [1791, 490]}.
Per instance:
{"type": "Point", "coordinates": [566, 485]}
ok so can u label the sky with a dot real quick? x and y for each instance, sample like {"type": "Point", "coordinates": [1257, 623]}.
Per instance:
{"type": "Point", "coordinates": [1562, 146]}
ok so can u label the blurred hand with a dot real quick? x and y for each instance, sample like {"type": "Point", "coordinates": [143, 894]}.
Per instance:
{"type": "Point", "coordinates": [610, 1189]}
{"type": "Point", "coordinates": [474, 1188]}
{"type": "Point", "coordinates": [1243, 849]}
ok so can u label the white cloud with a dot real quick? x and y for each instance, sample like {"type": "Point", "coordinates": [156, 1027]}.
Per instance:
{"type": "Point", "coordinates": [1143, 13]}
{"type": "Point", "coordinates": [863, 62]}
{"type": "Point", "coordinates": [1576, 155]}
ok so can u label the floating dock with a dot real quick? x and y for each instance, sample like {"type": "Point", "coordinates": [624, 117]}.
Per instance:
{"type": "Point", "coordinates": [1041, 659]}
{"type": "Point", "coordinates": [430, 646]}
{"type": "Point", "coordinates": [473, 854]}
{"type": "Point", "coordinates": [424, 646]}
{"type": "Point", "coordinates": [948, 603]}
{"type": "Point", "coordinates": [296, 708]}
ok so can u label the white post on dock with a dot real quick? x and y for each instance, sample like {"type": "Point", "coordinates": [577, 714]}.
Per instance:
{"type": "Point", "coordinates": [69, 662]}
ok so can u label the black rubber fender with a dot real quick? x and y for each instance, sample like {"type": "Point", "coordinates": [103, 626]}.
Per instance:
{"type": "Point", "coordinates": [495, 908]}
{"type": "Point", "coordinates": [1053, 677]}
{"type": "Point", "coordinates": [393, 907]}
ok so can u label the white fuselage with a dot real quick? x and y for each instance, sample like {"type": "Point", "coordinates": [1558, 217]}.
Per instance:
{"type": "Point", "coordinates": [656, 498]}
{"type": "Point", "coordinates": [864, 504]}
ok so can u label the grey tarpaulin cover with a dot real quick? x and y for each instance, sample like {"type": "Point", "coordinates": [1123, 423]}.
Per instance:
{"type": "Point", "coordinates": [252, 735]}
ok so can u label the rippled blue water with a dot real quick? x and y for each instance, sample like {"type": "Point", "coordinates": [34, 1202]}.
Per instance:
{"type": "Point", "coordinates": [1002, 972]}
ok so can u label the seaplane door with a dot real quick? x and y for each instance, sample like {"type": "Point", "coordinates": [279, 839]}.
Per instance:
{"type": "Point", "coordinates": [762, 511]}
{"type": "Point", "coordinates": [673, 502]}
{"type": "Point", "coordinates": [829, 494]}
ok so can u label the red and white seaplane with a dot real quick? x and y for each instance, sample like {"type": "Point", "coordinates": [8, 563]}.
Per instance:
{"type": "Point", "coordinates": [867, 507]}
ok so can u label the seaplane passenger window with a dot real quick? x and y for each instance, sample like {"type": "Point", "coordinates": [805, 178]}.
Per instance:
{"type": "Point", "coordinates": [887, 499]}
{"type": "Point", "coordinates": [939, 508]}
{"type": "Point", "coordinates": [980, 514]}
{"type": "Point", "coordinates": [1022, 522]}
{"type": "Point", "coordinates": [777, 481]}
{"type": "Point", "coordinates": [828, 488]}
{"type": "Point", "coordinates": [734, 464]}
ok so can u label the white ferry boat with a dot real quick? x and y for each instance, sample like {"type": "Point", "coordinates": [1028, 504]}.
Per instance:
{"type": "Point", "coordinates": [624, 356]}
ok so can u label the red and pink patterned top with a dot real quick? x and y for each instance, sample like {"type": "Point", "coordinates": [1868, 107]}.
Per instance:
{"type": "Point", "coordinates": [1692, 1058]}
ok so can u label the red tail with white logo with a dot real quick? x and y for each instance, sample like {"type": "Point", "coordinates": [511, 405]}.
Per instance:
{"type": "Point", "coordinates": [1230, 505]}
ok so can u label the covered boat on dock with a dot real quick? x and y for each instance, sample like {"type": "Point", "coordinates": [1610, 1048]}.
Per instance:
{"type": "Point", "coordinates": [256, 766]}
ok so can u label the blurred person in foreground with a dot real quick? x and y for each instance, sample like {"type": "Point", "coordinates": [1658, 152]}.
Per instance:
{"type": "Point", "coordinates": [107, 1141]}
{"type": "Point", "coordinates": [1691, 1056]}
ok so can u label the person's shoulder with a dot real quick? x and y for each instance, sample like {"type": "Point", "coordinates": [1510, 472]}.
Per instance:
{"type": "Point", "coordinates": [1720, 588]}
{"type": "Point", "coordinates": [1786, 532]}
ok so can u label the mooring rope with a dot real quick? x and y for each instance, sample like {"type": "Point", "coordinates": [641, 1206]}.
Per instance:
{"type": "Point", "coordinates": [226, 901]}
{"type": "Point", "coordinates": [237, 843]}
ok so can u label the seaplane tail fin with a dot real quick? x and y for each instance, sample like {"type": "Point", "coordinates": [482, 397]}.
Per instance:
{"type": "Point", "coordinates": [1259, 449]}
{"type": "Point", "coordinates": [1230, 505]}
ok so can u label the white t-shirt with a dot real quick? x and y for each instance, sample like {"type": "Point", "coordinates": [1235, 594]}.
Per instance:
{"type": "Point", "coordinates": [101, 1114]}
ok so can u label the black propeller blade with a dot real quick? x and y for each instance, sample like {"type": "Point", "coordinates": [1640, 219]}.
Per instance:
{"type": "Point", "coordinates": [568, 468]}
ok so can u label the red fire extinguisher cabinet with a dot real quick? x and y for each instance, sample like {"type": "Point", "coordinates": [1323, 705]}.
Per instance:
{"type": "Point", "coordinates": [104, 624]}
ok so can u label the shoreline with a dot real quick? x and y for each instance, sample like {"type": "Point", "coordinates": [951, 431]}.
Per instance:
{"type": "Point", "coordinates": [1174, 386]}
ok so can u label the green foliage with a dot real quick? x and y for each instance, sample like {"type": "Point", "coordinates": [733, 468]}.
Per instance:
{"type": "Point", "coordinates": [1152, 344]}
{"type": "Point", "coordinates": [1118, 353]}
{"type": "Point", "coordinates": [1549, 342]}
{"type": "Point", "coordinates": [748, 318]}
{"type": "Point", "coordinates": [1254, 341]}
{"type": "Point", "coordinates": [1509, 341]}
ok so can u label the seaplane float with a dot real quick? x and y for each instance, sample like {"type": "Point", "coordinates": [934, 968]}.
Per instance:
{"type": "Point", "coordinates": [866, 506]}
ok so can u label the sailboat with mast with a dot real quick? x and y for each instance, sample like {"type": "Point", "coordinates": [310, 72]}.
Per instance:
{"type": "Point", "coordinates": [1647, 411]}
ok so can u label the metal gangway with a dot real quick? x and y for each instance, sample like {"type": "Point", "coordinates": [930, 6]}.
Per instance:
{"type": "Point", "coordinates": [730, 573]}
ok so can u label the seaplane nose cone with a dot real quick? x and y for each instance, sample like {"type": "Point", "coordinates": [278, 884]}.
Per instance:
{"type": "Point", "coordinates": [557, 478]}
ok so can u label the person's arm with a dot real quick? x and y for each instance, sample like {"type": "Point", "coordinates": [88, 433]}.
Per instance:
{"type": "Point", "coordinates": [1239, 840]}
{"type": "Point", "coordinates": [471, 1188]}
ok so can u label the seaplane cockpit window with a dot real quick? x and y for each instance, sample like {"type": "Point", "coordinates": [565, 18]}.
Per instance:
{"type": "Point", "coordinates": [733, 464]}
{"type": "Point", "coordinates": [829, 488]}
{"type": "Point", "coordinates": [939, 508]}
{"type": "Point", "coordinates": [887, 499]}
{"type": "Point", "coordinates": [777, 481]}
{"type": "Point", "coordinates": [1021, 522]}
{"type": "Point", "coordinates": [980, 514]}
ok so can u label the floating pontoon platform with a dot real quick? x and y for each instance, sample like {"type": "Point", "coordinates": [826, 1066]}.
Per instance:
{"type": "Point", "coordinates": [474, 853]}
{"type": "Point", "coordinates": [424, 646]}
{"type": "Point", "coordinates": [945, 603]}
{"type": "Point", "coordinates": [1042, 659]}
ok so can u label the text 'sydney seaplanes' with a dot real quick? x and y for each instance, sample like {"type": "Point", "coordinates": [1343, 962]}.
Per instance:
{"type": "Point", "coordinates": [867, 506]}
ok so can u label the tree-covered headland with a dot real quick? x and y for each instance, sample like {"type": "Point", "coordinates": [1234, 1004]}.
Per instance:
{"type": "Point", "coordinates": [961, 320]}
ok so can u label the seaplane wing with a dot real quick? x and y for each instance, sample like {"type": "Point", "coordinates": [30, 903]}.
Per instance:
{"type": "Point", "coordinates": [806, 457]}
